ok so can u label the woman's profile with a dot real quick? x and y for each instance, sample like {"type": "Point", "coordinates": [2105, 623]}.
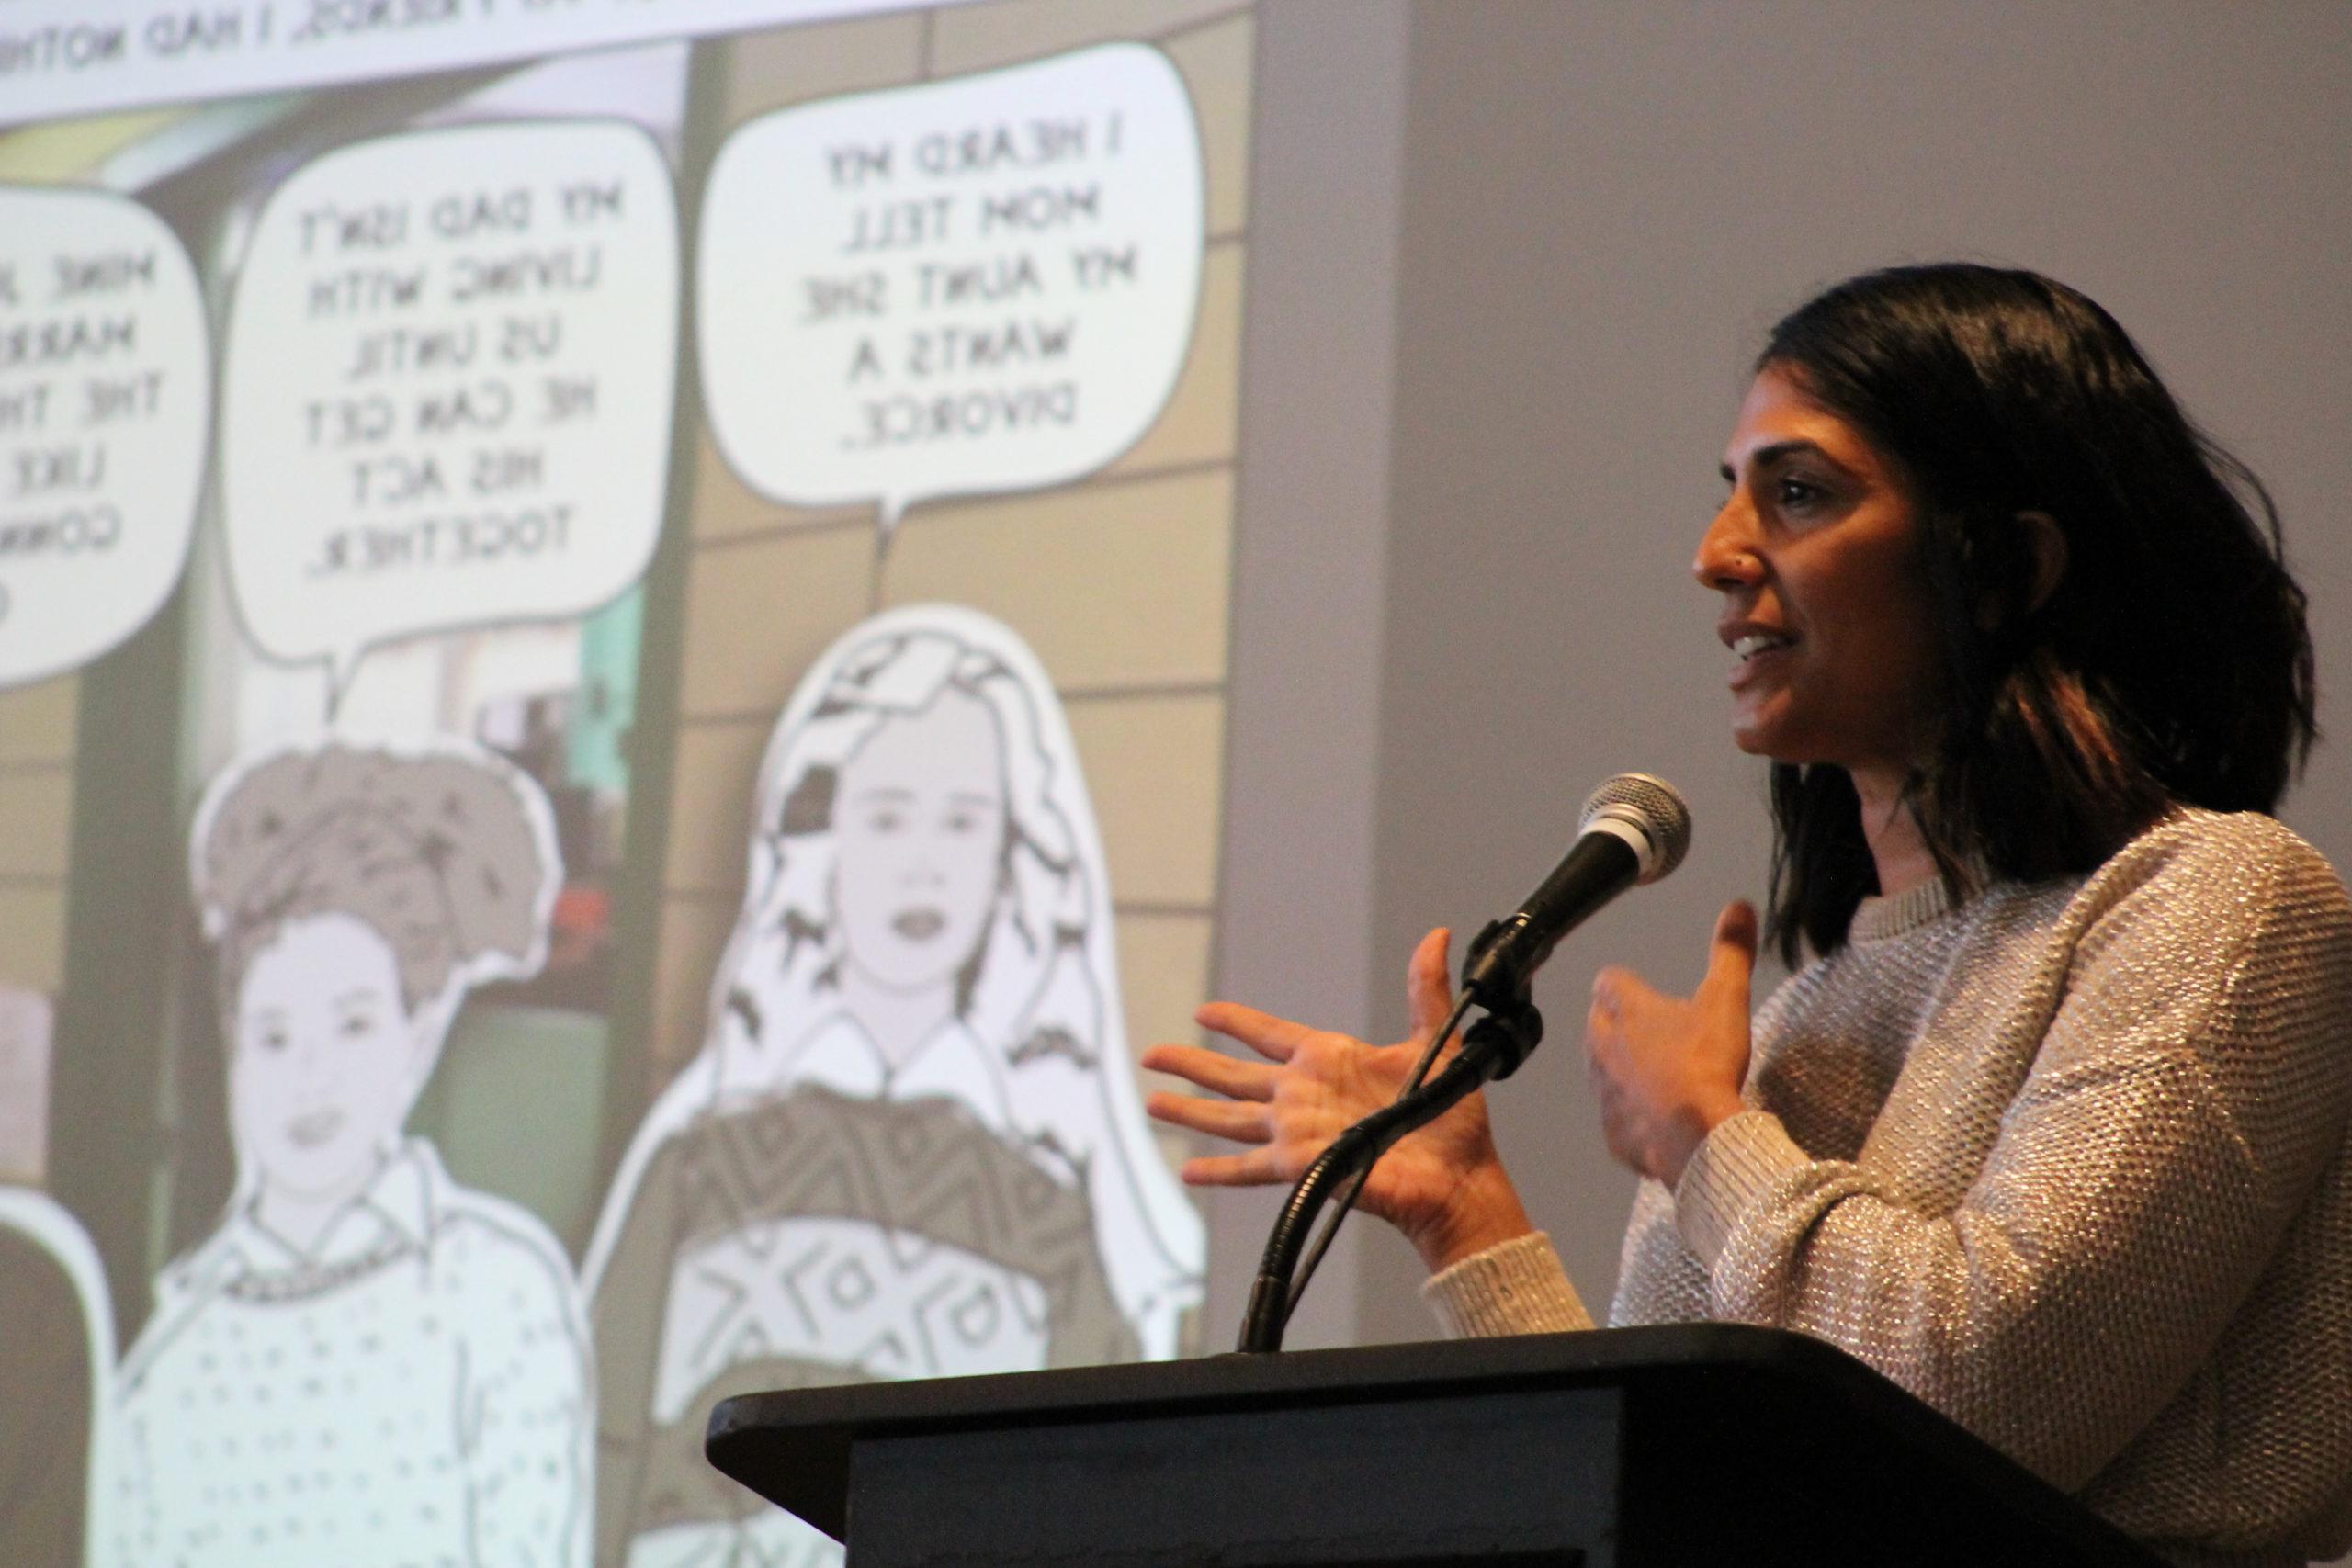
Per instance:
{"type": "Point", "coordinates": [366, 1363]}
{"type": "Point", "coordinates": [911, 1144]}
{"type": "Point", "coordinates": [2052, 1130]}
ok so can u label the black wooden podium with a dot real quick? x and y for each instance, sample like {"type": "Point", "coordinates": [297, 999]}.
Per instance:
{"type": "Point", "coordinates": [1688, 1445]}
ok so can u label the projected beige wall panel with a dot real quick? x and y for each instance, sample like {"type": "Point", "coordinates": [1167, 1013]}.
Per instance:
{"type": "Point", "coordinates": [32, 938]}
{"type": "Point", "coordinates": [973, 37]}
{"type": "Point", "coordinates": [758, 615]}
{"type": "Point", "coordinates": [1164, 975]}
{"type": "Point", "coordinates": [710, 805]}
{"type": "Point", "coordinates": [37, 721]}
{"type": "Point", "coordinates": [1112, 585]}
{"type": "Point", "coordinates": [1199, 423]}
{"type": "Point", "coordinates": [37, 806]}
{"type": "Point", "coordinates": [767, 71]}
{"type": "Point", "coordinates": [693, 933]}
{"type": "Point", "coordinates": [1216, 66]}
{"type": "Point", "coordinates": [725, 508]}
{"type": "Point", "coordinates": [73, 149]}
{"type": "Point", "coordinates": [1153, 765]}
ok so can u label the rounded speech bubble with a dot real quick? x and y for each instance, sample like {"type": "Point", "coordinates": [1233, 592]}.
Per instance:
{"type": "Point", "coordinates": [973, 286]}
{"type": "Point", "coordinates": [446, 393]}
{"type": "Point", "coordinates": [105, 397]}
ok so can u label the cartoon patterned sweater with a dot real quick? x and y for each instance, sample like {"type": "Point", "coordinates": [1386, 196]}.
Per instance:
{"type": "Point", "coordinates": [844, 1231]}
{"type": "Point", "coordinates": [415, 1391]}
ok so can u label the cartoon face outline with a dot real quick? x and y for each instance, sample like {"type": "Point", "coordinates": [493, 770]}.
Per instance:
{"type": "Point", "coordinates": [920, 819]}
{"type": "Point", "coordinates": [326, 1060]}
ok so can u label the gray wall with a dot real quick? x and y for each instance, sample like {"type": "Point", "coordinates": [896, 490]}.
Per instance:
{"type": "Point", "coordinates": [1310, 573]}
{"type": "Point", "coordinates": [1603, 206]}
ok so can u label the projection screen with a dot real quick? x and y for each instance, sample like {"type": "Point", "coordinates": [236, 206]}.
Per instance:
{"type": "Point", "coordinates": [612, 673]}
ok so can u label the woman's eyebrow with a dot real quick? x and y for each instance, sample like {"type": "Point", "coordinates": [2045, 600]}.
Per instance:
{"type": "Point", "coordinates": [1765, 456]}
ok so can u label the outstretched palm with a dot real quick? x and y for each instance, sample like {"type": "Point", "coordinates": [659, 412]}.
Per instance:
{"type": "Point", "coordinates": [1438, 1185]}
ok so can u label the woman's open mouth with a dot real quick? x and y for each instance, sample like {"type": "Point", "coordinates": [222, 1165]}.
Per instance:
{"type": "Point", "coordinates": [1755, 653]}
{"type": "Point", "coordinates": [314, 1128]}
{"type": "Point", "coordinates": [919, 924]}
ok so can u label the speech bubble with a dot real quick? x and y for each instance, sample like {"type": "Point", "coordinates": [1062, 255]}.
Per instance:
{"type": "Point", "coordinates": [106, 395]}
{"type": "Point", "coordinates": [974, 286]}
{"type": "Point", "coordinates": [447, 396]}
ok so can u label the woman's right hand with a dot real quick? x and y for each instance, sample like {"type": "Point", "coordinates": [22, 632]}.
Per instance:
{"type": "Point", "coordinates": [1442, 1185]}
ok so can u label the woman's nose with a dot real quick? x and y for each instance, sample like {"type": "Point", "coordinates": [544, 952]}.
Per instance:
{"type": "Point", "coordinates": [1727, 558]}
{"type": "Point", "coordinates": [310, 1064]}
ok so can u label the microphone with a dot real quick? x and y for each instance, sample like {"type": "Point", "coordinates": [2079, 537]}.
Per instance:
{"type": "Point", "coordinates": [1635, 828]}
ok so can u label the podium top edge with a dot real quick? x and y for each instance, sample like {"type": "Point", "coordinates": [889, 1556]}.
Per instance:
{"type": "Point", "coordinates": [1235, 1380]}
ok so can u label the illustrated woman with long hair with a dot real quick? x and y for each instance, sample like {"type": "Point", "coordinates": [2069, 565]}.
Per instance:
{"type": "Point", "coordinates": [911, 1144]}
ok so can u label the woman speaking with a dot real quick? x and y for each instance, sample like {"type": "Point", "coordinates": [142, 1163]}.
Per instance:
{"type": "Point", "coordinates": [2052, 1130]}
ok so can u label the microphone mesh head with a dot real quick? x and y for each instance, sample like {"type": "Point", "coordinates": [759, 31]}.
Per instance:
{"type": "Point", "coordinates": [1651, 805]}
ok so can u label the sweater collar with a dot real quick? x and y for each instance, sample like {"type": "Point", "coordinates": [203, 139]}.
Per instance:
{"type": "Point", "coordinates": [1876, 919]}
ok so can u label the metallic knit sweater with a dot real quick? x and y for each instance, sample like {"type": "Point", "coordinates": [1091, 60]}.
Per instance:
{"type": "Point", "coordinates": [2069, 1162]}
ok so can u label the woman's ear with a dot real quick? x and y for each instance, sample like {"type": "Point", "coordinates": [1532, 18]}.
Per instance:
{"type": "Point", "coordinates": [2046, 558]}
{"type": "Point", "coordinates": [2025, 569]}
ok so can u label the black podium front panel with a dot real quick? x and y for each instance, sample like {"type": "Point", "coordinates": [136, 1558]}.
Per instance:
{"type": "Point", "coordinates": [1698, 1445]}
{"type": "Point", "coordinates": [1388, 1483]}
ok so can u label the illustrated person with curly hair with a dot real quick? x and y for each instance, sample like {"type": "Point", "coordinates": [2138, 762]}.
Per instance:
{"type": "Point", "coordinates": [911, 1145]}
{"type": "Point", "coordinates": [366, 1363]}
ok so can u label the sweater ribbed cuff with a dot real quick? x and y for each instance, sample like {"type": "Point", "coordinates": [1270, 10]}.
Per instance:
{"type": "Point", "coordinates": [1734, 1168]}
{"type": "Point", "coordinates": [1513, 1287]}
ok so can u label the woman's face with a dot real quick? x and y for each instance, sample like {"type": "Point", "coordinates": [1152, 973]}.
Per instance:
{"type": "Point", "coordinates": [1816, 555]}
{"type": "Point", "coordinates": [326, 1063]}
{"type": "Point", "coordinates": [918, 830]}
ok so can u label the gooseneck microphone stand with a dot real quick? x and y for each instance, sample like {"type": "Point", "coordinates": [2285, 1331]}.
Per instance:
{"type": "Point", "coordinates": [1491, 1049]}
{"type": "Point", "coordinates": [1635, 828]}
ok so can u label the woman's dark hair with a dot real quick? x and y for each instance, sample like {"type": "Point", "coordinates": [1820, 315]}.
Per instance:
{"type": "Point", "coordinates": [2170, 665]}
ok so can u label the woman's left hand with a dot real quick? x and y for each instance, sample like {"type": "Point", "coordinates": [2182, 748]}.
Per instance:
{"type": "Point", "coordinates": [1667, 1069]}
